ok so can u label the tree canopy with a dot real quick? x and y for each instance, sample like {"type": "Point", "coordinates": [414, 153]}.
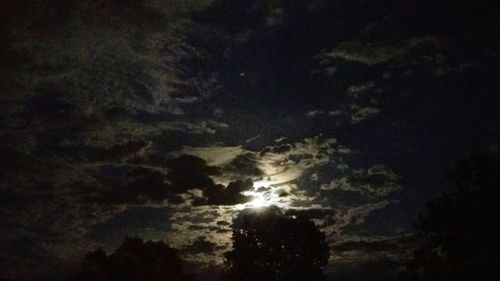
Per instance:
{"type": "Point", "coordinates": [134, 260]}
{"type": "Point", "coordinates": [271, 246]}
{"type": "Point", "coordinates": [459, 233]}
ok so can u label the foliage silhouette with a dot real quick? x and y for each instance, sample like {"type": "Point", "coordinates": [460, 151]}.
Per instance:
{"type": "Point", "coordinates": [271, 246]}
{"type": "Point", "coordinates": [459, 234]}
{"type": "Point", "coordinates": [134, 260]}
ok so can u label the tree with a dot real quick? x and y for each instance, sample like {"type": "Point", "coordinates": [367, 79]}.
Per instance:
{"type": "Point", "coordinates": [459, 234]}
{"type": "Point", "coordinates": [134, 260]}
{"type": "Point", "coordinates": [271, 246]}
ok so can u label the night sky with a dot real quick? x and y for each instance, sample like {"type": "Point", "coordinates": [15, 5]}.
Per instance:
{"type": "Point", "coordinates": [164, 119]}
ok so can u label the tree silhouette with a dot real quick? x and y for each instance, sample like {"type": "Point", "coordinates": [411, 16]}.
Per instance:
{"type": "Point", "coordinates": [270, 246]}
{"type": "Point", "coordinates": [459, 234]}
{"type": "Point", "coordinates": [134, 260]}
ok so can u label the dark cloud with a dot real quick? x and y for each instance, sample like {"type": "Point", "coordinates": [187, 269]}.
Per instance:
{"type": "Point", "coordinates": [369, 184]}
{"type": "Point", "coordinates": [148, 223]}
{"type": "Point", "coordinates": [368, 247]}
{"type": "Point", "coordinates": [202, 245]}
{"type": "Point", "coordinates": [229, 195]}
{"type": "Point", "coordinates": [129, 150]}
{"type": "Point", "coordinates": [245, 165]}
{"type": "Point", "coordinates": [204, 228]}
{"type": "Point", "coordinates": [129, 184]}
{"type": "Point", "coordinates": [376, 220]}
{"type": "Point", "coordinates": [189, 172]}
{"type": "Point", "coordinates": [224, 223]}
{"type": "Point", "coordinates": [279, 149]}
{"type": "Point", "coordinates": [119, 184]}
{"type": "Point", "coordinates": [101, 100]}
{"type": "Point", "coordinates": [311, 213]}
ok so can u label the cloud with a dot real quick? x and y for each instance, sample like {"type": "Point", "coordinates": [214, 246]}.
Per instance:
{"type": "Point", "coordinates": [187, 100]}
{"type": "Point", "coordinates": [150, 223]}
{"type": "Point", "coordinates": [355, 90]}
{"type": "Point", "coordinates": [244, 165]}
{"type": "Point", "coordinates": [267, 175]}
{"type": "Point", "coordinates": [381, 257]}
{"type": "Point", "coordinates": [363, 114]}
{"type": "Point", "coordinates": [140, 184]}
{"type": "Point", "coordinates": [202, 245]}
{"type": "Point", "coordinates": [375, 182]}
{"type": "Point", "coordinates": [276, 164]}
{"type": "Point", "coordinates": [83, 131]}
{"type": "Point", "coordinates": [215, 155]}
{"type": "Point", "coordinates": [235, 162]}
{"type": "Point", "coordinates": [229, 195]}
{"type": "Point", "coordinates": [428, 49]}
{"type": "Point", "coordinates": [176, 180]}
{"type": "Point", "coordinates": [364, 246]}
{"type": "Point", "coordinates": [302, 155]}
{"type": "Point", "coordinates": [190, 172]}
{"type": "Point", "coordinates": [314, 113]}
{"type": "Point", "coordinates": [253, 139]}
{"type": "Point", "coordinates": [312, 213]}
{"type": "Point", "coordinates": [121, 184]}
{"type": "Point", "coordinates": [358, 215]}
{"type": "Point", "coordinates": [115, 132]}
{"type": "Point", "coordinates": [366, 53]}
{"type": "Point", "coordinates": [204, 127]}
{"type": "Point", "coordinates": [335, 113]}
{"type": "Point", "coordinates": [209, 221]}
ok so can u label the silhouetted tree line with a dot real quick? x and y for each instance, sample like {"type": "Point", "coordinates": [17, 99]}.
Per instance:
{"type": "Point", "coordinates": [266, 246]}
{"type": "Point", "coordinates": [460, 233]}
{"type": "Point", "coordinates": [458, 241]}
{"type": "Point", "coordinates": [134, 260]}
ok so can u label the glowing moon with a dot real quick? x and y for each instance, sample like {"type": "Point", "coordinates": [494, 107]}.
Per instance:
{"type": "Point", "coordinates": [259, 201]}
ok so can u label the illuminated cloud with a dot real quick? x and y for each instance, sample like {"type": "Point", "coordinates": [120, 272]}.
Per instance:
{"type": "Point", "coordinates": [216, 155]}
{"type": "Point", "coordinates": [362, 114]}
{"type": "Point", "coordinates": [314, 113]}
{"type": "Point", "coordinates": [248, 179]}
{"type": "Point", "coordinates": [365, 53]}
{"type": "Point", "coordinates": [355, 90]}
{"type": "Point", "coordinates": [152, 122]}
{"type": "Point", "coordinates": [375, 182]}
